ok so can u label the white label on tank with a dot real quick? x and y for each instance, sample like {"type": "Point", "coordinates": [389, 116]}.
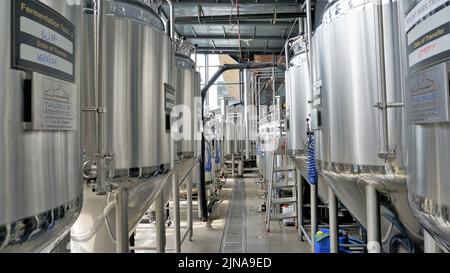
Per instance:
{"type": "Point", "coordinates": [430, 23]}
{"type": "Point", "coordinates": [422, 9]}
{"type": "Point", "coordinates": [42, 57]}
{"type": "Point", "coordinates": [429, 50]}
{"type": "Point", "coordinates": [42, 32]}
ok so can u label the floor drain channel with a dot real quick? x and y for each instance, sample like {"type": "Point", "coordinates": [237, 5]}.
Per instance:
{"type": "Point", "coordinates": [234, 236]}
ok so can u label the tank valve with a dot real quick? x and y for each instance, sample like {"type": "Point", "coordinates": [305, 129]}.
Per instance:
{"type": "Point", "coordinates": [89, 170]}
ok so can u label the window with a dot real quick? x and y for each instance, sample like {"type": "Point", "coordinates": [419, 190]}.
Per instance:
{"type": "Point", "coordinates": [224, 87]}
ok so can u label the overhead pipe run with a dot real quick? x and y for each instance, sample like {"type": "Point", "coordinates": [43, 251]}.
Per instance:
{"type": "Point", "coordinates": [171, 32]}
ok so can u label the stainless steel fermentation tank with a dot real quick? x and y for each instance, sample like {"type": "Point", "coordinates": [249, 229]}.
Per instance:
{"type": "Point", "coordinates": [299, 105]}
{"type": "Point", "coordinates": [298, 96]}
{"type": "Point", "coordinates": [126, 137]}
{"type": "Point", "coordinates": [187, 90]}
{"type": "Point", "coordinates": [229, 130]}
{"type": "Point", "coordinates": [425, 70]}
{"type": "Point", "coordinates": [234, 130]}
{"type": "Point", "coordinates": [40, 170]}
{"type": "Point", "coordinates": [137, 62]}
{"type": "Point", "coordinates": [358, 123]}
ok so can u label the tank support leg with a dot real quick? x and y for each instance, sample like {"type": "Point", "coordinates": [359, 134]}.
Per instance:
{"type": "Point", "coordinates": [373, 220]}
{"type": "Point", "coordinates": [160, 225]}
{"type": "Point", "coordinates": [334, 228]}
{"type": "Point", "coordinates": [313, 217]}
{"type": "Point", "coordinates": [176, 212]}
{"type": "Point", "coordinates": [122, 239]}
{"type": "Point", "coordinates": [300, 222]}
{"type": "Point", "coordinates": [430, 245]}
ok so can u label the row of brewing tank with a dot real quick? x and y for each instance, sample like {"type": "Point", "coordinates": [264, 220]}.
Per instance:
{"type": "Point", "coordinates": [127, 65]}
{"type": "Point", "coordinates": [359, 88]}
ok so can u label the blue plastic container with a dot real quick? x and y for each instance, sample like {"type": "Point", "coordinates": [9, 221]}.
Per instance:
{"type": "Point", "coordinates": [322, 244]}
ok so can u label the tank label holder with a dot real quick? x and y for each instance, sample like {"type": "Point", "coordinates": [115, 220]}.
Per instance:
{"type": "Point", "coordinates": [53, 104]}
{"type": "Point", "coordinates": [42, 40]}
{"type": "Point", "coordinates": [428, 34]}
{"type": "Point", "coordinates": [428, 48]}
{"type": "Point", "coordinates": [427, 97]}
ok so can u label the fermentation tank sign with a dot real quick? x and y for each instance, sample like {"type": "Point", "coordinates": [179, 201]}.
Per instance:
{"type": "Point", "coordinates": [428, 34]}
{"type": "Point", "coordinates": [42, 40]}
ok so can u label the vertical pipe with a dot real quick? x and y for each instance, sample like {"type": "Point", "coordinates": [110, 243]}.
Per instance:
{"type": "Point", "coordinates": [274, 90]}
{"type": "Point", "coordinates": [189, 203]}
{"type": "Point", "coordinates": [202, 202]}
{"type": "Point", "coordinates": [172, 20]}
{"type": "Point", "coordinates": [430, 245]}
{"type": "Point", "coordinates": [122, 239]}
{"type": "Point", "coordinates": [309, 34]}
{"type": "Point", "coordinates": [160, 224]}
{"type": "Point", "coordinates": [199, 207]}
{"type": "Point", "coordinates": [246, 74]}
{"type": "Point", "coordinates": [313, 217]}
{"type": "Point", "coordinates": [286, 52]}
{"type": "Point", "coordinates": [101, 109]}
{"type": "Point", "coordinates": [334, 228]}
{"type": "Point", "coordinates": [378, 8]}
{"type": "Point", "coordinates": [301, 26]}
{"type": "Point", "coordinates": [232, 165]}
{"type": "Point", "coordinates": [373, 220]}
{"type": "Point", "coordinates": [309, 30]}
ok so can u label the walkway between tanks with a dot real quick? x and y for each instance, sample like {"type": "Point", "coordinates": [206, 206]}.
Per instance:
{"type": "Point", "coordinates": [237, 225]}
{"type": "Point", "coordinates": [280, 239]}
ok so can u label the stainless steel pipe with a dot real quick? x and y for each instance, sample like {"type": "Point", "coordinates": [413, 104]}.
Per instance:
{"type": "Point", "coordinates": [172, 20]}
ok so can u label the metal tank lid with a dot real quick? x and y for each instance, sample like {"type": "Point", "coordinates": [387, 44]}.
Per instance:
{"type": "Point", "coordinates": [139, 10]}
{"type": "Point", "coordinates": [299, 45]}
{"type": "Point", "coordinates": [185, 48]}
{"type": "Point", "coordinates": [341, 7]}
{"type": "Point", "coordinates": [183, 54]}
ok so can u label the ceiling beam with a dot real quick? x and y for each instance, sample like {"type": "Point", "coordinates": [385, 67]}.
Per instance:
{"type": "Point", "coordinates": [243, 23]}
{"type": "Point", "coordinates": [233, 37]}
{"type": "Point", "coordinates": [226, 19]}
{"type": "Point", "coordinates": [241, 2]}
{"type": "Point", "coordinates": [229, 50]}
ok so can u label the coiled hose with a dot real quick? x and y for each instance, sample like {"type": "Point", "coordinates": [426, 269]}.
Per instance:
{"type": "Point", "coordinates": [313, 176]}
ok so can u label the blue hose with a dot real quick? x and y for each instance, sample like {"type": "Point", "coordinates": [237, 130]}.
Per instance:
{"type": "Point", "coordinates": [399, 239]}
{"type": "Point", "coordinates": [217, 152]}
{"type": "Point", "coordinates": [208, 165]}
{"type": "Point", "coordinates": [313, 176]}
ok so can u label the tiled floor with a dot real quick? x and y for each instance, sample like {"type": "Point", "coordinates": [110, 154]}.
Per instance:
{"type": "Point", "coordinates": [208, 236]}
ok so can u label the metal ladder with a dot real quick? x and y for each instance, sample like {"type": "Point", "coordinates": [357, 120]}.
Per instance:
{"type": "Point", "coordinates": [273, 202]}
